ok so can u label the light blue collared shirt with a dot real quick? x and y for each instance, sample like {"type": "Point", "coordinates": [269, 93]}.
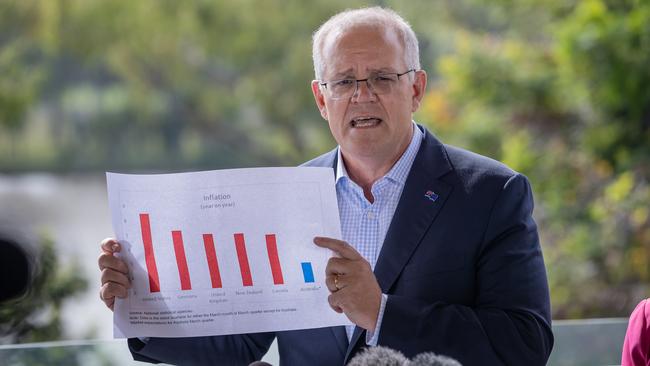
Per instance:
{"type": "Point", "coordinates": [364, 224]}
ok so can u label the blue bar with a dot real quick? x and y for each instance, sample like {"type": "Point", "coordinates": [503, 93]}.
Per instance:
{"type": "Point", "coordinates": [307, 271]}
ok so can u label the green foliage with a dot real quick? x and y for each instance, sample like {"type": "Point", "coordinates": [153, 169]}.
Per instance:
{"type": "Point", "coordinates": [36, 317]}
{"type": "Point", "coordinates": [17, 87]}
{"type": "Point", "coordinates": [574, 102]}
{"type": "Point", "coordinates": [556, 89]}
{"type": "Point", "coordinates": [152, 84]}
{"type": "Point", "coordinates": [606, 46]}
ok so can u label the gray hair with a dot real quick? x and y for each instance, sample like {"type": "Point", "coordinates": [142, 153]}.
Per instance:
{"type": "Point", "coordinates": [374, 16]}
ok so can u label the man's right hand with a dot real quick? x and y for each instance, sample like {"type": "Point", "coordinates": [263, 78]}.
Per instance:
{"type": "Point", "coordinates": [115, 273]}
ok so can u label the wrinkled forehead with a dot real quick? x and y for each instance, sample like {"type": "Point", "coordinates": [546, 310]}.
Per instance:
{"type": "Point", "coordinates": [362, 48]}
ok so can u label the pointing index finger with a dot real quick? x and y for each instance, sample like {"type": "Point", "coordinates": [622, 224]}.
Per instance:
{"type": "Point", "coordinates": [344, 249]}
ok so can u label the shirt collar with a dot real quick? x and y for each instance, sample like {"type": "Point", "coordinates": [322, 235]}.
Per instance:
{"type": "Point", "coordinates": [399, 171]}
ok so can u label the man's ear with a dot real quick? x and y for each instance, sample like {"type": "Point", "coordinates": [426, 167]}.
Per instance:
{"type": "Point", "coordinates": [419, 88]}
{"type": "Point", "coordinates": [319, 97]}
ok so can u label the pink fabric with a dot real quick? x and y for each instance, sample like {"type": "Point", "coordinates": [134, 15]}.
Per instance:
{"type": "Point", "coordinates": [636, 348]}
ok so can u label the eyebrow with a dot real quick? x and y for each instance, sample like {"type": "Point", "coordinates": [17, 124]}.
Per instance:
{"type": "Point", "coordinates": [343, 74]}
{"type": "Point", "coordinates": [349, 73]}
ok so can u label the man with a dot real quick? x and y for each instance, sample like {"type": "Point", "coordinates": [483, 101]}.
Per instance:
{"type": "Point", "coordinates": [440, 251]}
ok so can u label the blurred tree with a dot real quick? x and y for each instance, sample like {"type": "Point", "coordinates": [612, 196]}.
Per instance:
{"type": "Point", "coordinates": [557, 89]}
{"type": "Point", "coordinates": [36, 317]}
{"type": "Point", "coordinates": [567, 105]}
{"type": "Point", "coordinates": [154, 84]}
{"type": "Point", "coordinates": [21, 77]}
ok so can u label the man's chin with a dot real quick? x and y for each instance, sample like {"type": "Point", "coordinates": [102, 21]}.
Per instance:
{"type": "Point", "coordinates": [363, 149]}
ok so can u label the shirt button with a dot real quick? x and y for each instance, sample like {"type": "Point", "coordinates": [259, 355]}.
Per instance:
{"type": "Point", "coordinates": [370, 215]}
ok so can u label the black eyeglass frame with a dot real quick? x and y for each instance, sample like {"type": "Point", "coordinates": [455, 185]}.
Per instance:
{"type": "Point", "coordinates": [357, 81]}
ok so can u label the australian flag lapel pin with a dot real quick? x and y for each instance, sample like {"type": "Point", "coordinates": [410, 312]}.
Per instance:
{"type": "Point", "coordinates": [433, 196]}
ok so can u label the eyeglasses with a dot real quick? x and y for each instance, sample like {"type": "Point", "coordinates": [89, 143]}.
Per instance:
{"type": "Point", "coordinates": [378, 83]}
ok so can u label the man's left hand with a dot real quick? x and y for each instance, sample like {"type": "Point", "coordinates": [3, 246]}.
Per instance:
{"type": "Point", "coordinates": [353, 286]}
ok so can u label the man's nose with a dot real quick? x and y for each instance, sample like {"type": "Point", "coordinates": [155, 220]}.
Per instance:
{"type": "Point", "coordinates": [363, 92]}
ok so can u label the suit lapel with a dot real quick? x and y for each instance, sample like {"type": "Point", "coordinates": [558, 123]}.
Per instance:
{"type": "Point", "coordinates": [415, 212]}
{"type": "Point", "coordinates": [341, 338]}
{"type": "Point", "coordinates": [413, 216]}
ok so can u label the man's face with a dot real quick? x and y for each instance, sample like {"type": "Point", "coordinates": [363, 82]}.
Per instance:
{"type": "Point", "coordinates": [367, 125]}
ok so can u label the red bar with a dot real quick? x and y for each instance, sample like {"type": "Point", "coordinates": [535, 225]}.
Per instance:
{"type": "Point", "coordinates": [213, 265]}
{"type": "Point", "coordinates": [246, 278]}
{"type": "Point", "coordinates": [181, 261]}
{"type": "Point", "coordinates": [150, 259]}
{"type": "Point", "coordinates": [274, 260]}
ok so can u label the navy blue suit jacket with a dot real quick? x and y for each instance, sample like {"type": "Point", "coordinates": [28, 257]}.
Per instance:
{"type": "Point", "coordinates": [464, 275]}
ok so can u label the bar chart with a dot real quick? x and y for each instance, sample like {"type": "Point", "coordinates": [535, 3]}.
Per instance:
{"type": "Point", "coordinates": [211, 259]}
{"type": "Point", "coordinates": [234, 246]}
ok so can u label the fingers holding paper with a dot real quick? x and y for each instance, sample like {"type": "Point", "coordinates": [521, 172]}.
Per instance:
{"type": "Point", "coordinates": [114, 277]}
{"type": "Point", "coordinates": [353, 286]}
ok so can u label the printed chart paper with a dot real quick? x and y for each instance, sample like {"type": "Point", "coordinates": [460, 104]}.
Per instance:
{"type": "Point", "coordinates": [224, 252]}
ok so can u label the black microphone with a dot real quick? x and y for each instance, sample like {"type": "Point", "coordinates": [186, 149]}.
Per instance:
{"type": "Point", "coordinates": [431, 359]}
{"type": "Point", "coordinates": [15, 269]}
{"type": "Point", "coordinates": [379, 356]}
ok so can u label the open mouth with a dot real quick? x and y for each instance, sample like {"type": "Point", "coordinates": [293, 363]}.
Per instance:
{"type": "Point", "coordinates": [365, 122]}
